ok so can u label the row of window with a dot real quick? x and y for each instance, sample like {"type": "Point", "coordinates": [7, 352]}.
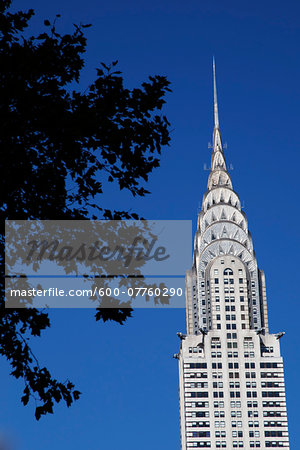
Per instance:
{"type": "Point", "coordinates": [230, 326]}
{"type": "Point", "coordinates": [276, 444]}
{"type": "Point", "coordinates": [195, 375]}
{"type": "Point", "coordinates": [236, 375]}
{"type": "Point", "coordinates": [236, 385]}
{"type": "Point", "coordinates": [216, 343]}
{"type": "Point", "coordinates": [231, 308]}
{"type": "Point", "coordinates": [237, 404]}
{"type": "Point", "coordinates": [250, 414]}
{"type": "Point", "coordinates": [200, 434]}
{"type": "Point", "coordinates": [232, 385]}
{"type": "Point", "coordinates": [195, 350]}
{"type": "Point", "coordinates": [238, 444]}
{"type": "Point", "coordinates": [271, 374]}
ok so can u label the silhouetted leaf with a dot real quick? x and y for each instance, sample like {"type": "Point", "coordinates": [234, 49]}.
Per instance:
{"type": "Point", "coordinates": [59, 145]}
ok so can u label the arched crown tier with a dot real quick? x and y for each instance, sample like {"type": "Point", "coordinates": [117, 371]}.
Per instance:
{"type": "Point", "coordinates": [219, 177]}
{"type": "Point", "coordinates": [220, 195]}
{"type": "Point", "coordinates": [221, 231]}
{"type": "Point", "coordinates": [219, 213]}
{"type": "Point", "coordinates": [222, 248]}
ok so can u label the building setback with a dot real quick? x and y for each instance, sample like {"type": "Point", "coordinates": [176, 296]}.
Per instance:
{"type": "Point", "coordinates": [231, 380]}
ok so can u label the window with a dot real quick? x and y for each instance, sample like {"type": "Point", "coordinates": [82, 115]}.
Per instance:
{"type": "Point", "coordinates": [235, 394]}
{"type": "Point", "coordinates": [236, 413]}
{"type": "Point", "coordinates": [249, 365]}
{"type": "Point", "coordinates": [233, 365]}
{"type": "Point", "coordinates": [215, 343]}
{"type": "Point", "coordinates": [220, 424]}
{"type": "Point", "coordinates": [219, 434]}
{"type": "Point", "coordinates": [254, 444]}
{"type": "Point", "coordinates": [248, 343]}
{"type": "Point", "coordinates": [218, 394]}
{"type": "Point", "coordinates": [234, 375]}
{"type": "Point", "coordinates": [237, 433]}
{"type": "Point", "coordinates": [228, 272]}
{"type": "Point", "coordinates": [271, 394]}
{"type": "Point", "coordinates": [198, 394]}
{"type": "Point", "coordinates": [216, 365]}
{"type": "Point", "coordinates": [197, 365]}
{"type": "Point", "coordinates": [269, 365]}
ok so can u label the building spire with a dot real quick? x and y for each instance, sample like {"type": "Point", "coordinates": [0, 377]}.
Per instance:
{"type": "Point", "coordinates": [215, 96]}
{"type": "Point", "coordinates": [219, 176]}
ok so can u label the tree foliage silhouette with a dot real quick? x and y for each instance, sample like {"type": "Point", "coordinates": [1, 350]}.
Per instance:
{"type": "Point", "coordinates": [62, 147]}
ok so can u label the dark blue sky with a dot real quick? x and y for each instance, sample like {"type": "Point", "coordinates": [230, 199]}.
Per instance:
{"type": "Point", "coordinates": [127, 375]}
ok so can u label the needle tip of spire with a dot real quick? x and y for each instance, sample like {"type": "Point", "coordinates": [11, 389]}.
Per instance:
{"type": "Point", "coordinates": [216, 115]}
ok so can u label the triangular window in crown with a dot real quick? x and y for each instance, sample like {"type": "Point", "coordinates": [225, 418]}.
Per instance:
{"type": "Point", "coordinates": [237, 235]}
{"type": "Point", "coordinates": [223, 216]}
{"type": "Point", "coordinates": [224, 232]}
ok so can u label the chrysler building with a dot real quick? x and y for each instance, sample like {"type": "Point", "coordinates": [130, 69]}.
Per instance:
{"type": "Point", "coordinates": [231, 380]}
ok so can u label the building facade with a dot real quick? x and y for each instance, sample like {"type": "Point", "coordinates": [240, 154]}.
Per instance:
{"type": "Point", "coordinates": [231, 380]}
